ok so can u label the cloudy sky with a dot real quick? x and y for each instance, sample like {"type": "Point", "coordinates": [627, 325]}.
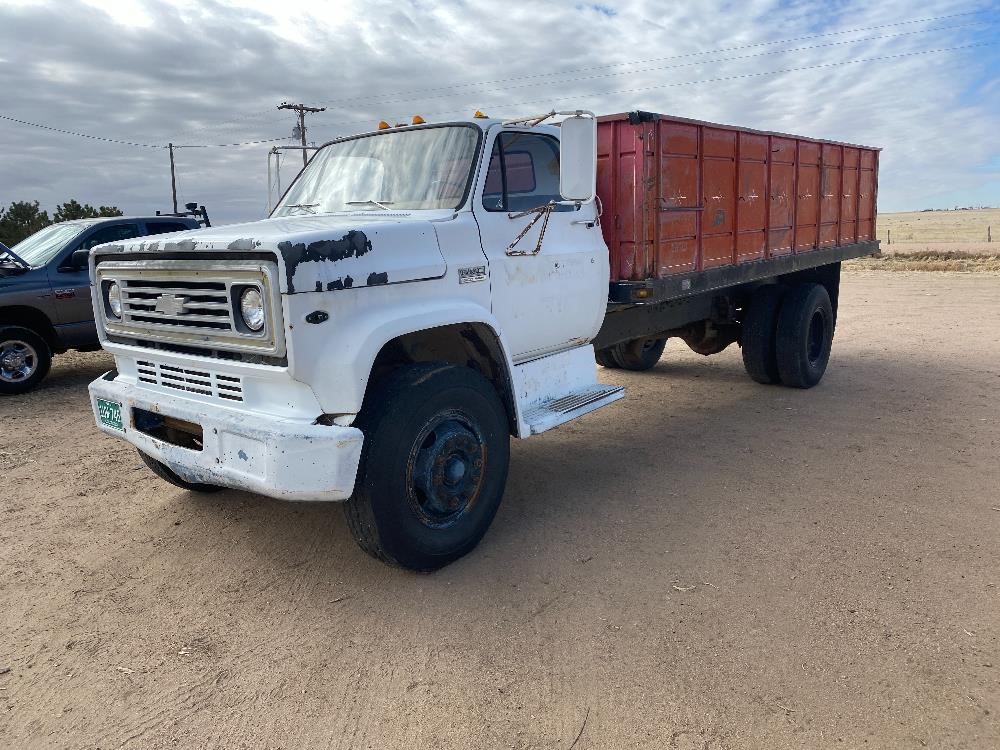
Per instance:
{"type": "Point", "coordinates": [921, 80]}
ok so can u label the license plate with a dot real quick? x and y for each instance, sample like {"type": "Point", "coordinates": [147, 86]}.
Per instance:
{"type": "Point", "coordinates": [110, 414]}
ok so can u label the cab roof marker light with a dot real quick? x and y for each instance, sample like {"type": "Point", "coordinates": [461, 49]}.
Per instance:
{"type": "Point", "coordinates": [382, 125]}
{"type": "Point", "coordinates": [417, 120]}
{"type": "Point", "coordinates": [480, 116]}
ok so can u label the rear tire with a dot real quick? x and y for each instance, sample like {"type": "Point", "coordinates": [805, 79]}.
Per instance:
{"type": "Point", "coordinates": [804, 335]}
{"type": "Point", "coordinates": [25, 359]}
{"type": "Point", "coordinates": [433, 467]}
{"type": "Point", "coordinates": [757, 337]}
{"type": "Point", "coordinates": [167, 475]}
{"type": "Point", "coordinates": [638, 354]}
{"type": "Point", "coordinates": [605, 358]}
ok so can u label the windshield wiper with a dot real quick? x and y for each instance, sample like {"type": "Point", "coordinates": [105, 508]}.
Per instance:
{"type": "Point", "coordinates": [384, 205]}
{"type": "Point", "coordinates": [4, 250]}
{"type": "Point", "coordinates": [303, 206]}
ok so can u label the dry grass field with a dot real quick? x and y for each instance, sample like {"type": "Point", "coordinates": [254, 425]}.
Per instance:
{"type": "Point", "coordinates": [936, 241]}
{"type": "Point", "coordinates": [938, 227]}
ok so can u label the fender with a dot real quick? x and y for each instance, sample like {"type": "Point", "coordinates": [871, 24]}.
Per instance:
{"type": "Point", "coordinates": [336, 357]}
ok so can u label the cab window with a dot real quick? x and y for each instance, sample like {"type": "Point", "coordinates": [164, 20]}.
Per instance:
{"type": "Point", "coordinates": [523, 172]}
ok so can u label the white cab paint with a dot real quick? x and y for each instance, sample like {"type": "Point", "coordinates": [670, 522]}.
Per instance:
{"type": "Point", "coordinates": [442, 267]}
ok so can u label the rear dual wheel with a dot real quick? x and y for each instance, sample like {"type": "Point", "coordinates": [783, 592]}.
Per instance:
{"type": "Point", "coordinates": [804, 336]}
{"type": "Point", "coordinates": [787, 334]}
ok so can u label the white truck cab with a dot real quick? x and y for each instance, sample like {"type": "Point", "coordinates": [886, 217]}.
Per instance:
{"type": "Point", "coordinates": [420, 294]}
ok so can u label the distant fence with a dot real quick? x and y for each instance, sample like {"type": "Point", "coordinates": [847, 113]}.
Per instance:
{"type": "Point", "coordinates": [904, 236]}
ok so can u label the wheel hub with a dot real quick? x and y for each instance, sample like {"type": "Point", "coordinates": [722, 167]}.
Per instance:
{"type": "Point", "coordinates": [448, 471]}
{"type": "Point", "coordinates": [816, 337]}
{"type": "Point", "coordinates": [17, 360]}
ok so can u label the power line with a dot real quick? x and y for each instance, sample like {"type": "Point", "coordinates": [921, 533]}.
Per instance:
{"type": "Point", "coordinates": [394, 96]}
{"type": "Point", "coordinates": [135, 143]}
{"type": "Point", "coordinates": [80, 135]}
{"type": "Point", "coordinates": [243, 143]}
{"type": "Point", "coordinates": [393, 99]}
{"type": "Point", "coordinates": [880, 58]}
{"type": "Point", "coordinates": [352, 100]}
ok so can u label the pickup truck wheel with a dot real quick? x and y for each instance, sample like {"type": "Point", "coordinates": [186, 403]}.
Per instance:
{"type": "Point", "coordinates": [757, 336]}
{"type": "Point", "coordinates": [638, 354]}
{"type": "Point", "coordinates": [433, 467]}
{"type": "Point", "coordinates": [25, 358]}
{"type": "Point", "coordinates": [165, 473]}
{"type": "Point", "coordinates": [805, 335]}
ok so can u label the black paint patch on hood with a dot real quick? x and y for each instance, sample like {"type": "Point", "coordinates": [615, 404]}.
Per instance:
{"type": "Point", "coordinates": [354, 244]}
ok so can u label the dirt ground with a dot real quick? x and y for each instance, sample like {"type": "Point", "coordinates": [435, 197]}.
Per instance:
{"type": "Point", "coordinates": [708, 564]}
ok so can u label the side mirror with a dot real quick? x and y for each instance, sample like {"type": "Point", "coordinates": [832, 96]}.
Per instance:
{"type": "Point", "coordinates": [578, 158]}
{"type": "Point", "coordinates": [79, 259]}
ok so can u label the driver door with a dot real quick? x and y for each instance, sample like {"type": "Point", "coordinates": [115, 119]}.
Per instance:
{"type": "Point", "coordinates": [71, 286]}
{"type": "Point", "coordinates": [553, 299]}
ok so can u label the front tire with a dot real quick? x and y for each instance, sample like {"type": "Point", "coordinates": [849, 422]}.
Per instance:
{"type": "Point", "coordinates": [25, 359]}
{"type": "Point", "coordinates": [433, 467]}
{"type": "Point", "coordinates": [165, 473]}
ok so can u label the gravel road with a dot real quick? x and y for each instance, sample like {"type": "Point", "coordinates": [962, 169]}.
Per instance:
{"type": "Point", "coordinates": [708, 564]}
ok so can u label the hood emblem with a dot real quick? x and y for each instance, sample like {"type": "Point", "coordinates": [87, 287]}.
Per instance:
{"type": "Point", "coordinates": [170, 304]}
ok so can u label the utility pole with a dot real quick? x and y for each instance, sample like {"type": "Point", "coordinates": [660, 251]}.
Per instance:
{"type": "Point", "coordinates": [173, 176]}
{"type": "Point", "coordinates": [301, 109]}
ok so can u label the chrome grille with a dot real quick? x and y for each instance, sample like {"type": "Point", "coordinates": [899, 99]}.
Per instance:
{"type": "Point", "coordinates": [204, 382]}
{"type": "Point", "coordinates": [205, 305]}
{"type": "Point", "coordinates": [194, 303]}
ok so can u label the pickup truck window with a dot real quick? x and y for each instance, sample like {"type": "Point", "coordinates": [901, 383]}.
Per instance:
{"type": "Point", "coordinates": [420, 168]}
{"type": "Point", "coordinates": [523, 172]}
{"type": "Point", "coordinates": [114, 233]}
{"type": "Point", "coordinates": [163, 227]}
{"type": "Point", "coordinates": [45, 244]}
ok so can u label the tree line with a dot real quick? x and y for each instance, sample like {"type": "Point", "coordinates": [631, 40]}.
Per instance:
{"type": "Point", "coordinates": [24, 218]}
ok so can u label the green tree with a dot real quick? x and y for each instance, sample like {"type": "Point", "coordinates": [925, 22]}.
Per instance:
{"type": "Point", "coordinates": [21, 220]}
{"type": "Point", "coordinates": [73, 210]}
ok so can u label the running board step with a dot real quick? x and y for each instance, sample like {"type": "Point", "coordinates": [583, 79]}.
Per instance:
{"type": "Point", "coordinates": [557, 411]}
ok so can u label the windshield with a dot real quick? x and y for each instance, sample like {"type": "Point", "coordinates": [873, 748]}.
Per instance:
{"type": "Point", "coordinates": [392, 170]}
{"type": "Point", "coordinates": [43, 245]}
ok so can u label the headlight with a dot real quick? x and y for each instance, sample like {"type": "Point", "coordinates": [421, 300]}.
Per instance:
{"type": "Point", "coordinates": [115, 299]}
{"type": "Point", "coordinates": [252, 309]}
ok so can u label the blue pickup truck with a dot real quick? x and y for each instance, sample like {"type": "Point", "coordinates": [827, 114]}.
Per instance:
{"type": "Point", "coordinates": [45, 305]}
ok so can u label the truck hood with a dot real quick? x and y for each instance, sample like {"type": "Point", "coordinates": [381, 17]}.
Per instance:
{"type": "Point", "coordinates": [318, 253]}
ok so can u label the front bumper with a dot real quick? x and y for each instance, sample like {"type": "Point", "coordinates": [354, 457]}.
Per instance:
{"type": "Point", "coordinates": [288, 459]}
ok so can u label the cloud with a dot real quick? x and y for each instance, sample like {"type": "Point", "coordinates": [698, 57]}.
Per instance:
{"type": "Point", "coordinates": [209, 72]}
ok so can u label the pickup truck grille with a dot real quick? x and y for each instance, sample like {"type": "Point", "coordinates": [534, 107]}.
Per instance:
{"type": "Point", "coordinates": [191, 303]}
{"type": "Point", "coordinates": [204, 382]}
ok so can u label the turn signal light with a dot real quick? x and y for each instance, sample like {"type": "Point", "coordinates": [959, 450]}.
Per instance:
{"type": "Point", "coordinates": [382, 125]}
{"type": "Point", "coordinates": [417, 120]}
{"type": "Point", "coordinates": [480, 116]}
{"type": "Point", "coordinates": [641, 293]}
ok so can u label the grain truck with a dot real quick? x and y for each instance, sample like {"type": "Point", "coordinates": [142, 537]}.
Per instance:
{"type": "Point", "coordinates": [423, 293]}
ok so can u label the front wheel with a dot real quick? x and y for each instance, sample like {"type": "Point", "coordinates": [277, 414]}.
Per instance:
{"type": "Point", "coordinates": [433, 467]}
{"type": "Point", "coordinates": [25, 358]}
